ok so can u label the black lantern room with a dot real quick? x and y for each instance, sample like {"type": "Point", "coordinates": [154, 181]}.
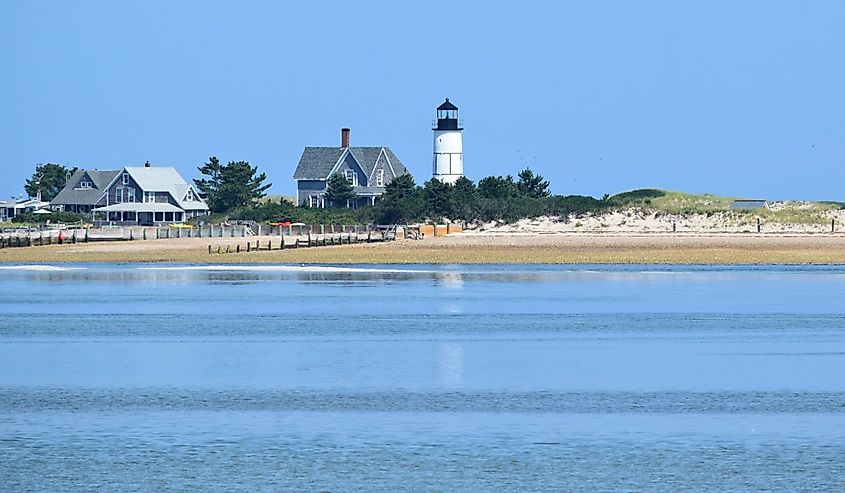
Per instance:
{"type": "Point", "coordinates": [447, 116]}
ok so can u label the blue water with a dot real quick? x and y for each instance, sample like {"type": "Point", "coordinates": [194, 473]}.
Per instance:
{"type": "Point", "coordinates": [426, 378]}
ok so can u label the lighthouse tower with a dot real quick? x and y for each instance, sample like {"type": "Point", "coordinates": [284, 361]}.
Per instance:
{"type": "Point", "coordinates": [448, 144]}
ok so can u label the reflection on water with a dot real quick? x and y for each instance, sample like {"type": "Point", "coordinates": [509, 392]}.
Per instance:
{"type": "Point", "coordinates": [420, 378]}
{"type": "Point", "coordinates": [451, 364]}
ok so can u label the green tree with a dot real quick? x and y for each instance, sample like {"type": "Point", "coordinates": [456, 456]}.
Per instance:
{"type": "Point", "coordinates": [339, 191]}
{"type": "Point", "coordinates": [531, 185]}
{"type": "Point", "coordinates": [231, 185]}
{"type": "Point", "coordinates": [401, 201]}
{"type": "Point", "coordinates": [438, 199]}
{"type": "Point", "coordinates": [497, 187]}
{"type": "Point", "coordinates": [465, 199]}
{"type": "Point", "coordinates": [50, 179]}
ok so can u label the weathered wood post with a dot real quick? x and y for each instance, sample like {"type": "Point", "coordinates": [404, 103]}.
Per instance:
{"type": "Point", "coordinates": [243, 231]}
{"type": "Point", "coordinates": [238, 248]}
{"type": "Point", "coordinates": [73, 237]}
{"type": "Point", "coordinates": [131, 238]}
{"type": "Point", "coordinates": [282, 245]}
{"type": "Point", "coordinates": [759, 225]}
{"type": "Point", "coordinates": [269, 245]}
{"type": "Point", "coordinates": [833, 225]}
{"type": "Point", "coordinates": [178, 232]}
{"type": "Point", "coordinates": [218, 248]}
{"type": "Point", "coordinates": [86, 235]}
{"type": "Point", "coordinates": [209, 249]}
{"type": "Point", "coordinates": [248, 245]}
{"type": "Point", "coordinates": [309, 238]}
{"type": "Point", "coordinates": [674, 226]}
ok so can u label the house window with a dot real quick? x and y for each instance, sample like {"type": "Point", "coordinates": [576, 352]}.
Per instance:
{"type": "Point", "coordinates": [380, 178]}
{"type": "Point", "coordinates": [190, 196]}
{"type": "Point", "coordinates": [130, 197]}
{"type": "Point", "coordinates": [126, 178]}
{"type": "Point", "coordinates": [351, 177]}
{"type": "Point", "coordinates": [118, 195]}
{"type": "Point", "coordinates": [149, 197]}
{"type": "Point", "coordinates": [85, 184]}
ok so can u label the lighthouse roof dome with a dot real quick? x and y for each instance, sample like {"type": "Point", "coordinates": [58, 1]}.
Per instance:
{"type": "Point", "coordinates": [447, 106]}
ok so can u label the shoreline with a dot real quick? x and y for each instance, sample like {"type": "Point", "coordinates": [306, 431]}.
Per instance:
{"type": "Point", "coordinates": [471, 248]}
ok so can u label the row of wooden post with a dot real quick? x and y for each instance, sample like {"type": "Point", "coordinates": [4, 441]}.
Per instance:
{"type": "Point", "coordinates": [760, 226]}
{"type": "Point", "coordinates": [299, 242]}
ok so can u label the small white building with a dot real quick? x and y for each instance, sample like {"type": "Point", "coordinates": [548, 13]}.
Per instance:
{"type": "Point", "coordinates": [11, 208]}
{"type": "Point", "coordinates": [448, 144]}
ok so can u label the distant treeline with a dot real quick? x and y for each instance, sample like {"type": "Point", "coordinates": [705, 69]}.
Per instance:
{"type": "Point", "coordinates": [494, 198]}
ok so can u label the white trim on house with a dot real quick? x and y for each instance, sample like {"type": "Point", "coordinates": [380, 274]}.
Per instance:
{"type": "Point", "coordinates": [387, 158]}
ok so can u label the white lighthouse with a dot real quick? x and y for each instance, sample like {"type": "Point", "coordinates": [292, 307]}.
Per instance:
{"type": "Point", "coordinates": [448, 144]}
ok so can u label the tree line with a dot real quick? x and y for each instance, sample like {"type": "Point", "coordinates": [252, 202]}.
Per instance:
{"type": "Point", "coordinates": [237, 191]}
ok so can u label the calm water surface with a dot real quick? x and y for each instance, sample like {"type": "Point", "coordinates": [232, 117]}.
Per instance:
{"type": "Point", "coordinates": [429, 378]}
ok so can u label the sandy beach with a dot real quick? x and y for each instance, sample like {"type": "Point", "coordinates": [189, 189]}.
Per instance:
{"type": "Point", "coordinates": [502, 247]}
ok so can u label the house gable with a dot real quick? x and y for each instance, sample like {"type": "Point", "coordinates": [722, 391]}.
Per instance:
{"type": "Point", "coordinates": [382, 169]}
{"type": "Point", "coordinates": [348, 163]}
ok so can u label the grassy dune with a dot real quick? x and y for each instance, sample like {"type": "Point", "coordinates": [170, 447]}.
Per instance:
{"type": "Point", "coordinates": [787, 212]}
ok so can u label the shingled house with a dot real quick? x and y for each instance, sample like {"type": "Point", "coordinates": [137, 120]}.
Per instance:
{"type": "Point", "coordinates": [132, 195]}
{"type": "Point", "coordinates": [369, 169]}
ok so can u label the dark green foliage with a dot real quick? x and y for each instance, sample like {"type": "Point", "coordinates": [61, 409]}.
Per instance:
{"type": "Point", "coordinates": [272, 212]}
{"type": "Point", "coordinates": [402, 202]}
{"type": "Point", "coordinates": [54, 218]}
{"type": "Point", "coordinates": [439, 199]}
{"type": "Point", "coordinates": [232, 185]}
{"type": "Point", "coordinates": [464, 199]}
{"type": "Point", "coordinates": [496, 198]}
{"type": "Point", "coordinates": [339, 192]}
{"type": "Point", "coordinates": [50, 178]}
{"type": "Point", "coordinates": [563, 206]}
{"type": "Point", "coordinates": [497, 187]}
{"type": "Point", "coordinates": [641, 195]}
{"type": "Point", "coordinates": [531, 185]}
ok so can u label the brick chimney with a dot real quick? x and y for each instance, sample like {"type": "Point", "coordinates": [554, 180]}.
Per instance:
{"type": "Point", "coordinates": [344, 137]}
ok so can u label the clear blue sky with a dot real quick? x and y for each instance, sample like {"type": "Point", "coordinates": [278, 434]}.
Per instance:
{"type": "Point", "coordinates": [742, 98]}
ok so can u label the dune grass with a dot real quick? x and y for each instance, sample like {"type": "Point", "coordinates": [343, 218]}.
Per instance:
{"type": "Point", "coordinates": [789, 212]}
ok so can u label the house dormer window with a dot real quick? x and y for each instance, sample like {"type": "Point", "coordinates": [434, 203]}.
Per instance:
{"type": "Point", "coordinates": [126, 178]}
{"type": "Point", "coordinates": [351, 177]}
{"type": "Point", "coordinates": [189, 197]}
{"type": "Point", "coordinates": [380, 178]}
{"type": "Point", "coordinates": [85, 184]}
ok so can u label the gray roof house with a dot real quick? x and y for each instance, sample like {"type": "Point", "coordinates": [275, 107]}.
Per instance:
{"type": "Point", "coordinates": [136, 195]}
{"type": "Point", "coordinates": [369, 169]}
